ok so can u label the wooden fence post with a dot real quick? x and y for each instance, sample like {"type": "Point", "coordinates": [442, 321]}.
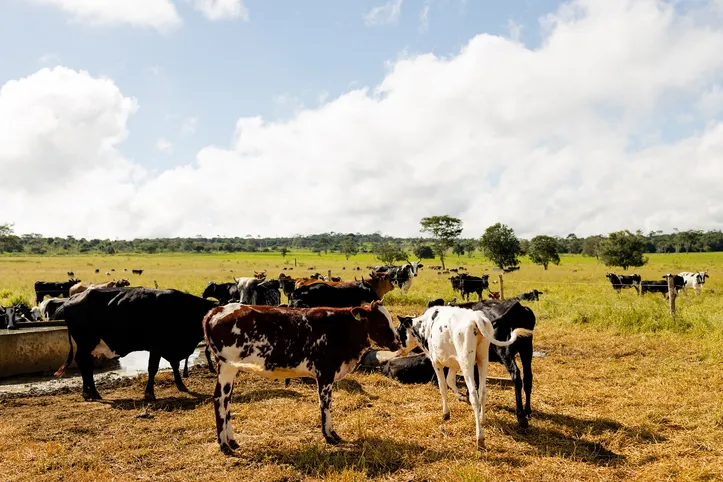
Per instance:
{"type": "Point", "coordinates": [502, 287]}
{"type": "Point", "coordinates": [671, 294]}
{"type": "Point", "coordinates": [329, 278]}
{"type": "Point", "coordinates": [294, 262]}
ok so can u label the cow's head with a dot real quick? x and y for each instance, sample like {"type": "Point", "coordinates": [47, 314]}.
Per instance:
{"type": "Point", "coordinates": [494, 295]}
{"type": "Point", "coordinates": [702, 276]}
{"type": "Point", "coordinates": [260, 274]}
{"type": "Point", "coordinates": [407, 334]}
{"type": "Point", "coordinates": [122, 283]}
{"type": "Point", "coordinates": [380, 282]}
{"type": "Point", "coordinates": [379, 324]}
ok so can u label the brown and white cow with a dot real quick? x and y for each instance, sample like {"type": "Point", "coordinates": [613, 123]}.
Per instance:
{"type": "Point", "coordinates": [274, 342]}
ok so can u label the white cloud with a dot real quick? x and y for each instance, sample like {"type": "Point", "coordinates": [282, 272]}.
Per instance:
{"type": "Point", "coordinates": [515, 30]}
{"type": "Point", "coordinates": [47, 59]}
{"type": "Point", "coordinates": [157, 14]}
{"type": "Point", "coordinates": [563, 138]}
{"type": "Point", "coordinates": [222, 9]}
{"type": "Point", "coordinates": [189, 125]}
{"type": "Point", "coordinates": [424, 16]}
{"type": "Point", "coordinates": [384, 14]}
{"type": "Point", "coordinates": [164, 145]}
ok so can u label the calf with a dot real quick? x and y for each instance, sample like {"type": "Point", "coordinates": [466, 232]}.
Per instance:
{"type": "Point", "coordinates": [224, 292]}
{"type": "Point", "coordinates": [113, 322]}
{"type": "Point", "coordinates": [410, 369]}
{"type": "Point", "coordinates": [620, 281]}
{"type": "Point", "coordinates": [533, 295]}
{"type": "Point", "coordinates": [459, 339]}
{"type": "Point", "coordinates": [693, 280]}
{"type": "Point", "coordinates": [322, 343]}
{"type": "Point", "coordinates": [52, 288]}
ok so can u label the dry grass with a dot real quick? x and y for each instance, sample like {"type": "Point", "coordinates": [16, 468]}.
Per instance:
{"type": "Point", "coordinates": [612, 400]}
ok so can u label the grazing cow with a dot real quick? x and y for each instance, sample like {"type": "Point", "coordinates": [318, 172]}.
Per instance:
{"type": "Point", "coordinates": [647, 286]}
{"type": "Point", "coordinates": [137, 271]}
{"type": "Point", "coordinates": [107, 273]}
{"type": "Point", "coordinates": [533, 295]}
{"type": "Point", "coordinates": [693, 280]}
{"type": "Point", "coordinates": [323, 343]}
{"type": "Point", "coordinates": [345, 294]}
{"type": "Point", "coordinates": [224, 292]}
{"type": "Point", "coordinates": [52, 288]}
{"type": "Point", "coordinates": [80, 287]}
{"type": "Point", "coordinates": [113, 322]}
{"type": "Point", "coordinates": [71, 274]}
{"type": "Point", "coordinates": [459, 339]}
{"type": "Point", "coordinates": [620, 281]}
{"type": "Point", "coordinates": [97, 271]}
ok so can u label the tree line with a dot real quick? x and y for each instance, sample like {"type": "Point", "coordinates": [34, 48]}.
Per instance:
{"type": "Point", "coordinates": [443, 237]}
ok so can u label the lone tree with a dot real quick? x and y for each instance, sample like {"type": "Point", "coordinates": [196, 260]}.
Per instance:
{"type": "Point", "coordinates": [624, 249]}
{"type": "Point", "coordinates": [349, 247]}
{"type": "Point", "coordinates": [544, 250]}
{"type": "Point", "coordinates": [284, 251]}
{"type": "Point", "coordinates": [423, 252]}
{"type": "Point", "coordinates": [444, 230]}
{"type": "Point", "coordinates": [388, 253]}
{"type": "Point", "coordinates": [500, 245]}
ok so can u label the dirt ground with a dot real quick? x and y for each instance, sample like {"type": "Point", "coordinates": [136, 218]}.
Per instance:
{"type": "Point", "coordinates": [605, 407]}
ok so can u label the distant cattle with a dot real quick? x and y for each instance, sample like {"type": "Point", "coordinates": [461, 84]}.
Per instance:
{"type": "Point", "coordinates": [53, 288]}
{"type": "Point", "coordinates": [322, 343]}
{"type": "Point", "coordinates": [510, 269]}
{"type": "Point", "coordinates": [137, 271]}
{"type": "Point", "coordinates": [620, 281]}
{"type": "Point", "coordinates": [459, 339]}
{"type": "Point", "coordinates": [224, 292]}
{"type": "Point", "coordinates": [693, 280]}
{"type": "Point", "coordinates": [70, 273]}
{"type": "Point", "coordinates": [97, 271]}
{"type": "Point", "coordinates": [113, 322]}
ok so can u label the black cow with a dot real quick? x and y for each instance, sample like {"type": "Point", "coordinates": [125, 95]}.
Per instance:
{"type": "Point", "coordinates": [467, 284]}
{"type": "Point", "coordinates": [223, 292]}
{"type": "Point", "coordinates": [505, 317]}
{"type": "Point", "coordinates": [620, 281]}
{"type": "Point", "coordinates": [137, 271]}
{"type": "Point", "coordinates": [533, 295]}
{"type": "Point", "coordinates": [113, 322]}
{"type": "Point", "coordinates": [267, 293]}
{"type": "Point", "coordinates": [647, 286]}
{"type": "Point", "coordinates": [321, 294]}
{"type": "Point", "coordinates": [410, 369]}
{"type": "Point", "coordinates": [53, 288]}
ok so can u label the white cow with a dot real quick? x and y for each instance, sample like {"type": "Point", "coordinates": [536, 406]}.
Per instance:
{"type": "Point", "coordinates": [459, 339]}
{"type": "Point", "coordinates": [693, 280]}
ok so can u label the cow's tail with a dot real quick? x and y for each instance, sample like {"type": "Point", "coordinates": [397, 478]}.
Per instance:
{"type": "Point", "coordinates": [69, 360]}
{"type": "Point", "coordinates": [210, 347]}
{"type": "Point", "coordinates": [485, 328]}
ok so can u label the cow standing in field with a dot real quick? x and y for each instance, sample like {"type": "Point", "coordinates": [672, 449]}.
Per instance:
{"type": "Point", "coordinates": [693, 280]}
{"type": "Point", "coordinates": [401, 276]}
{"type": "Point", "coordinates": [223, 292]}
{"type": "Point", "coordinates": [52, 288]}
{"type": "Point", "coordinates": [459, 339]}
{"type": "Point", "coordinates": [342, 294]}
{"type": "Point", "coordinates": [322, 343]}
{"type": "Point", "coordinates": [621, 281]}
{"type": "Point", "coordinates": [113, 322]}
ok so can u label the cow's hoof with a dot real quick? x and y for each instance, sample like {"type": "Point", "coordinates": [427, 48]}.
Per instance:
{"type": "Point", "coordinates": [233, 444]}
{"type": "Point", "coordinates": [445, 416]}
{"type": "Point", "coordinates": [90, 396]}
{"type": "Point", "coordinates": [182, 388]}
{"type": "Point", "coordinates": [481, 445]}
{"type": "Point", "coordinates": [333, 439]}
{"type": "Point", "coordinates": [226, 449]}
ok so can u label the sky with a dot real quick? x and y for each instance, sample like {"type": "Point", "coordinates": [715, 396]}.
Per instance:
{"type": "Point", "coordinates": [164, 118]}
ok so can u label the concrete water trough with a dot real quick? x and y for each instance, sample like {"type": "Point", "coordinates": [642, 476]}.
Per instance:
{"type": "Point", "coordinates": [39, 347]}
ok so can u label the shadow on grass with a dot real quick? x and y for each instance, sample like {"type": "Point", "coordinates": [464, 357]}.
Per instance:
{"type": "Point", "coordinates": [373, 456]}
{"type": "Point", "coordinates": [167, 404]}
{"type": "Point", "coordinates": [259, 395]}
{"type": "Point", "coordinates": [554, 443]}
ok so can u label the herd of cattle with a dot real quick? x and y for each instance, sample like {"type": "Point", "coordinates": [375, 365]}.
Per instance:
{"type": "Point", "coordinates": [682, 281]}
{"type": "Point", "coordinates": [325, 331]}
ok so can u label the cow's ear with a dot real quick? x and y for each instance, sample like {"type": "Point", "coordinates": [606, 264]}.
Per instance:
{"type": "Point", "coordinates": [356, 312]}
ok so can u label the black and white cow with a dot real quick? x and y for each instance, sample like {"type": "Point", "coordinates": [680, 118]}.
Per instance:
{"type": "Point", "coordinates": [693, 280]}
{"type": "Point", "coordinates": [533, 295]}
{"type": "Point", "coordinates": [457, 338]}
{"type": "Point", "coordinates": [401, 276]}
{"type": "Point", "coordinates": [223, 292]}
{"type": "Point", "coordinates": [321, 343]}
{"type": "Point", "coordinates": [53, 288]}
{"type": "Point", "coordinates": [7, 318]}
{"type": "Point", "coordinates": [48, 307]}
{"type": "Point", "coordinates": [621, 281]}
{"type": "Point", "coordinates": [662, 286]}
{"type": "Point", "coordinates": [259, 291]}
{"type": "Point", "coordinates": [113, 322]}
